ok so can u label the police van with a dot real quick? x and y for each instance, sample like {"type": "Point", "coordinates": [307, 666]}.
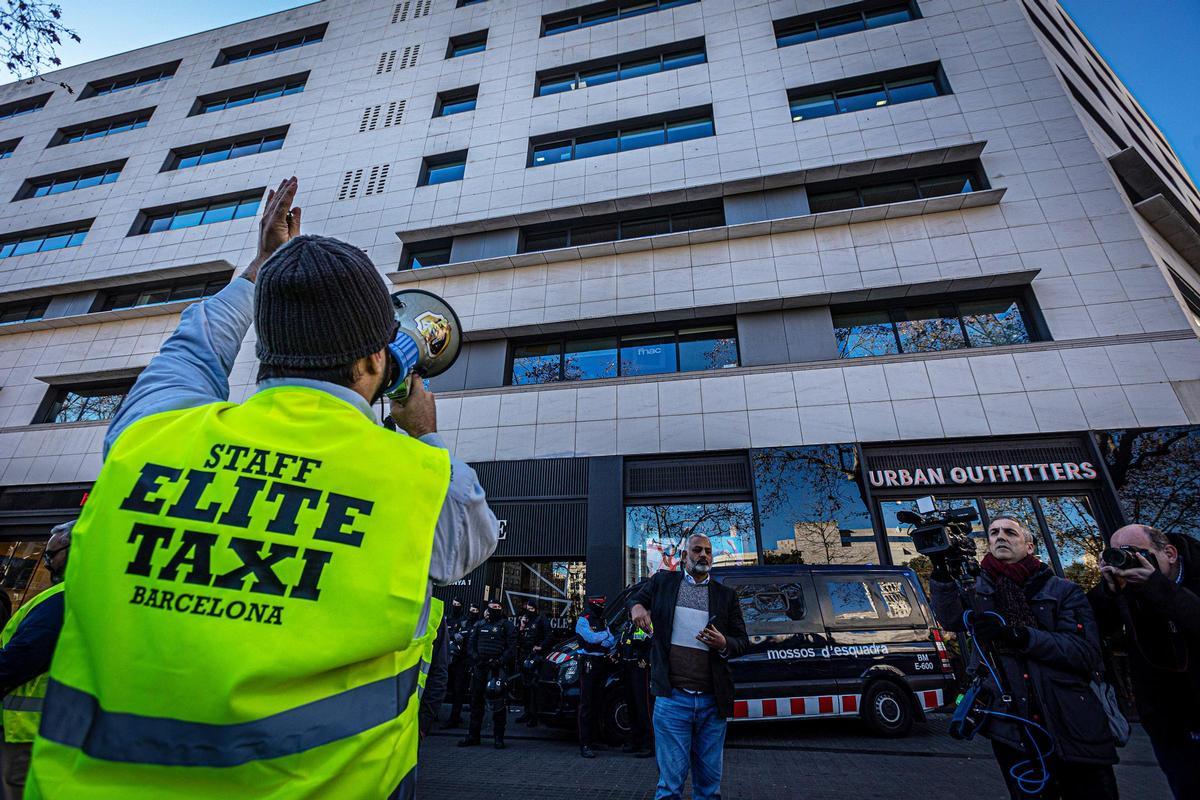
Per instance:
{"type": "Point", "coordinates": [825, 641]}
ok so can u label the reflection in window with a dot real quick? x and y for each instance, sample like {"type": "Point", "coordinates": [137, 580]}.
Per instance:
{"type": "Point", "coordinates": [103, 127]}
{"type": "Point", "coordinates": [443, 169]}
{"type": "Point", "coordinates": [23, 576]}
{"type": "Point", "coordinates": [851, 601]}
{"type": "Point", "coordinates": [812, 506]}
{"type": "Point", "coordinates": [628, 225]}
{"type": "Point", "coordinates": [683, 350]}
{"type": "Point", "coordinates": [884, 188]}
{"type": "Point", "coordinates": [1156, 473]}
{"type": "Point", "coordinates": [234, 98]}
{"type": "Point", "coordinates": [900, 543]}
{"type": "Point", "coordinates": [249, 145]}
{"type": "Point", "coordinates": [137, 296]}
{"type": "Point", "coordinates": [619, 68]}
{"type": "Point", "coordinates": [772, 608]}
{"type": "Point", "coordinates": [895, 600]}
{"type": "Point", "coordinates": [204, 212]}
{"type": "Point", "coordinates": [633, 135]}
{"type": "Point", "coordinates": [948, 326]}
{"type": "Point", "coordinates": [607, 12]}
{"type": "Point", "coordinates": [656, 536]}
{"type": "Point", "coordinates": [1076, 535]}
{"type": "Point", "coordinates": [20, 244]}
{"type": "Point", "coordinates": [84, 403]}
{"type": "Point", "coordinates": [868, 91]}
{"type": "Point", "coordinates": [70, 181]}
{"type": "Point", "coordinates": [839, 21]}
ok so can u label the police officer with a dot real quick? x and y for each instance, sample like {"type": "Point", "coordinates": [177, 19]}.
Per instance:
{"type": "Point", "coordinates": [595, 644]}
{"type": "Point", "coordinates": [493, 645]}
{"type": "Point", "coordinates": [238, 564]}
{"type": "Point", "coordinates": [633, 654]}
{"type": "Point", "coordinates": [533, 637]}
{"type": "Point", "coordinates": [26, 647]}
{"type": "Point", "coordinates": [460, 664]}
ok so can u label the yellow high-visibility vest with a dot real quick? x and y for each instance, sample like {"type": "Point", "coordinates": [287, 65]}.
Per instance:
{"type": "Point", "coordinates": [23, 705]}
{"type": "Point", "coordinates": [248, 583]}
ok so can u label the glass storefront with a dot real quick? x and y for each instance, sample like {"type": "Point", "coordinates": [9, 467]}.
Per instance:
{"type": "Point", "coordinates": [1156, 473]}
{"type": "Point", "coordinates": [22, 573]}
{"type": "Point", "coordinates": [813, 506]}
{"type": "Point", "coordinates": [656, 535]}
{"type": "Point", "coordinates": [558, 587]}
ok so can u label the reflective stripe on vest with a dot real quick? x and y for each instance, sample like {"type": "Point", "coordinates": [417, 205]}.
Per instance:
{"type": "Point", "coordinates": [436, 610]}
{"type": "Point", "coordinates": [22, 708]}
{"type": "Point", "coordinates": [255, 579]}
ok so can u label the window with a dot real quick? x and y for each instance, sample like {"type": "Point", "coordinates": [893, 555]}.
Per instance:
{"type": "Point", "coordinates": [129, 80]}
{"type": "Point", "coordinates": [431, 253]}
{"type": "Point", "coordinates": [601, 13]}
{"type": "Point", "coordinates": [692, 123]}
{"type": "Point", "coordinates": [627, 225]}
{"type": "Point", "coordinates": [443, 169]}
{"type": "Point", "coordinates": [467, 43]}
{"type": "Point", "coordinates": [812, 505]}
{"type": "Point", "coordinates": [771, 609]}
{"type": "Point", "coordinates": [938, 326]}
{"type": "Point", "coordinates": [7, 148]}
{"type": "Point", "coordinates": [233, 98]}
{"type": "Point", "coordinates": [189, 288]}
{"type": "Point", "coordinates": [27, 106]}
{"type": "Point", "coordinates": [465, 3]}
{"type": "Point", "coordinates": [225, 149]}
{"type": "Point", "coordinates": [656, 535]}
{"type": "Point", "coordinates": [202, 212]}
{"type": "Point", "coordinates": [895, 187]}
{"type": "Point", "coordinates": [867, 91]}
{"type": "Point", "coordinates": [275, 44]}
{"type": "Point", "coordinates": [89, 402]}
{"type": "Point", "coordinates": [630, 65]}
{"type": "Point", "coordinates": [1191, 298]}
{"type": "Point", "coordinates": [102, 127]}
{"type": "Point", "coordinates": [841, 20]}
{"type": "Point", "coordinates": [456, 102]}
{"type": "Point", "coordinates": [24, 311]}
{"type": "Point", "coordinates": [868, 601]}
{"type": "Point", "coordinates": [24, 243]}
{"type": "Point", "coordinates": [69, 181]}
{"type": "Point", "coordinates": [650, 353]}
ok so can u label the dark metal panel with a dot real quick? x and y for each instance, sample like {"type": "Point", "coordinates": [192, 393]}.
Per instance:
{"type": "Point", "coordinates": [539, 478]}
{"type": "Point", "coordinates": [606, 527]}
{"type": "Point", "coordinates": [687, 477]}
{"type": "Point", "coordinates": [555, 530]}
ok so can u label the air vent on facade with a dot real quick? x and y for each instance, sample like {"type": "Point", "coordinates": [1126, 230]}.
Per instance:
{"type": "Point", "coordinates": [676, 477]}
{"type": "Point", "coordinates": [410, 9]}
{"type": "Point", "coordinates": [377, 179]}
{"type": "Point", "coordinates": [541, 479]}
{"type": "Point", "coordinates": [371, 114]}
{"type": "Point", "coordinates": [350, 184]}
{"type": "Point", "coordinates": [386, 61]}
{"type": "Point", "coordinates": [409, 57]}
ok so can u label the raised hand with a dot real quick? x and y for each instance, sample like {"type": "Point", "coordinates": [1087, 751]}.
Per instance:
{"type": "Point", "coordinates": [279, 223]}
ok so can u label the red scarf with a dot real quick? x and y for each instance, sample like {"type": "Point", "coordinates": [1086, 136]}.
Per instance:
{"type": "Point", "coordinates": [1018, 572]}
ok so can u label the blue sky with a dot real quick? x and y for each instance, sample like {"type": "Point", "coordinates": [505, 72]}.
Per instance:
{"type": "Point", "coordinates": [1151, 44]}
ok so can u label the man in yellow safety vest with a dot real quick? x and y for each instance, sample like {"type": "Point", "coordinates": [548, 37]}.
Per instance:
{"type": "Point", "coordinates": [250, 584]}
{"type": "Point", "coordinates": [26, 646]}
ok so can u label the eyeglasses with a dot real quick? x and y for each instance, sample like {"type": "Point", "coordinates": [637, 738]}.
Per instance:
{"type": "Point", "coordinates": [48, 555]}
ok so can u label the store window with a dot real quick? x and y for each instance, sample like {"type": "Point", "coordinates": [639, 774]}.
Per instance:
{"type": "Point", "coordinates": [947, 325]}
{"type": "Point", "coordinates": [92, 402]}
{"type": "Point", "coordinates": [656, 535]}
{"type": "Point", "coordinates": [1156, 473]}
{"type": "Point", "coordinates": [812, 506]}
{"type": "Point", "coordinates": [557, 587]}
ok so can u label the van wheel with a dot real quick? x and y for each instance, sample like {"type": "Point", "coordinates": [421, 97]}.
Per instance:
{"type": "Point", "coordinates": [617, 724]}
{"type": "Point", "coordinates": [887, 710]}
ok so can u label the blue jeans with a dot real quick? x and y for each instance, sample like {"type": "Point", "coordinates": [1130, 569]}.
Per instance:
{"type": "Point", "coordinates": [688, 732]}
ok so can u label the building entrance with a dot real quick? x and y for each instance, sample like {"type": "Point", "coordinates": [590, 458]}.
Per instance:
{"type": "Point", "coordinates": [556, 586]}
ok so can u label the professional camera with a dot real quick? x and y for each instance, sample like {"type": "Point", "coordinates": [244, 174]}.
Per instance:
{"type": "Point", "coordinates": [1126, 557]}
{"type": "Point", "coordinates": [944, 537]}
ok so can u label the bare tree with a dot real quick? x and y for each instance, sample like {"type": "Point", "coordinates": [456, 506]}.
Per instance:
{"type": "Point", "coordinates": [30, 33]}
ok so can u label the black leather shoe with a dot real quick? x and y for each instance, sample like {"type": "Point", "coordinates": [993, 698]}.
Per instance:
{"type": "Point", "coordinates": [587, 752]}
{"type": "Point", "coordinates": [470, 741]}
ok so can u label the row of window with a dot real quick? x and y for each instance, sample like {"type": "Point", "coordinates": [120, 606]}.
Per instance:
{"type": "Point", "coordinates": [209, 153]}
{"type": "Point", "coordinates": [871, 190]}
{"type": "Point", "coordinates": [131, 80]}
{"type": "Point", "coordinates": [234, 98]}
{"type": "Point", "coordinates": [267, 47]}
{"type": "Point", "coordinates": [202, 212]}
{"type": "Point", "coordinates": [600, 13]}
{"type": "Point", "coordinates": [69, 181]}
{"type": "Point", "coordinates": [924, 329]}
{"type": "Point", "coordinates": [619, 68]}
{"type": "Point", "coordinates": [693, 123]}
{"type": "Point", "coordinates": [146, 294]}
{"type": "Point", "coordinates": [867, 91]}
{"type": "Point", "coordinates": [842, 20]}
{"type": "Point", "coordinates": [652, 353]}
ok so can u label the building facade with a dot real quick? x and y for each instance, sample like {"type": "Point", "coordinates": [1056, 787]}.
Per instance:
{"type": "Point", "coordinates": [764, 270]}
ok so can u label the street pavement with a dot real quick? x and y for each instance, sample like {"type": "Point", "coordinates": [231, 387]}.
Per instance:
{"type": "Point", "coordinates": [808, 760]}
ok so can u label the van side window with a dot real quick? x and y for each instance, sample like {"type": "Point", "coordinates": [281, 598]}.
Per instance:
{"type": "Point", "coordinates": [772, 608]}
{"type": "Point", "coordinates": [851, 601]}
{"type": "Point", "coordinates": [894, 599]}
{"type": "Point", "coordinates": [863, 601]}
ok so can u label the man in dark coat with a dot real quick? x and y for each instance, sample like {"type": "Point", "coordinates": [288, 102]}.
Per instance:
{"type": "Point", "coordinates": [1042, 639]}
{"type": "Point", "coordinates": [1156, 604]}
{"type": "Point", "coordinates": [492, 647]}
{"type": "Point", "coordinates": [460, 666]}
{"type": "Point", "coordinates": [533, 637]}
{"type": "Point", "coordinates": [697, 627]}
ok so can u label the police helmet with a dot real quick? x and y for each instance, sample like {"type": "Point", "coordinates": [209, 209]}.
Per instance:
{"type": "Point", "coordinates": [529, 664]}
{"type": "Point", "coordinates": [495, 688]}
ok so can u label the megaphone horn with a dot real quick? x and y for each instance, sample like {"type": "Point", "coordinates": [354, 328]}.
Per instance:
{"type": "Point", "coordinates": [429, 325]}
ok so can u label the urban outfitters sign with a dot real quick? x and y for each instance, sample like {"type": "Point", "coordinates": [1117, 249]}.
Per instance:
{"type": "Point", "coordinates": [984, 474]}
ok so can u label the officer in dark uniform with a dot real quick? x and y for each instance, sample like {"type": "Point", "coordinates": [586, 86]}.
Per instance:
{"type": "Point", "coordinates": [595, 644]}
{"type": "Point", "coordinates": [533, 637]}
{"type": "Point", "coordinates": [460, 664]}
{"type": "Point", "coordinates": [633, 654]}
{"type": "Point", "coordinates": [492, 646]}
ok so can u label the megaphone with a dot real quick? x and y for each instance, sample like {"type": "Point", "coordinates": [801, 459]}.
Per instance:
{"type": "Point", "coordinates": [427, 341]}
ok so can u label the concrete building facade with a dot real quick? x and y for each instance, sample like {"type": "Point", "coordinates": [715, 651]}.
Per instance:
{"type": "Point", "coordinates": [723, 265]}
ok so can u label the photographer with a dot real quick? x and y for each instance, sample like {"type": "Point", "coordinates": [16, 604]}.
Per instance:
{"type": "Point", "coordinates": [1039, 633]}
{"type": "Point", "coordinates": [1155, 598]}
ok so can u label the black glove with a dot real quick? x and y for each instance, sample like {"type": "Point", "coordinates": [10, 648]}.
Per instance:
{"type": "Point", "coordinates": [989, 630]}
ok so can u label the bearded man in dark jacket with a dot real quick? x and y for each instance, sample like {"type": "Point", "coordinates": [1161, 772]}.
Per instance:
{"type": "Point", "coordinates": [1044, 643]}
{"type": "Point", "coordinates": [1155, 603]}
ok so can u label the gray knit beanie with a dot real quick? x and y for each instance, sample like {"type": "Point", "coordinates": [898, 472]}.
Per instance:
{"type": "Point", "coordinates": [319, 302]}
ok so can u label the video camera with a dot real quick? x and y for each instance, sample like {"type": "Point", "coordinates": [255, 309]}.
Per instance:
{"type": "Point", "coordinates": [944, 537]}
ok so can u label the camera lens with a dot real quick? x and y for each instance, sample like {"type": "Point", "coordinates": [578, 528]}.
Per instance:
{"type": "Point", "coordinates": [1117, 558]}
